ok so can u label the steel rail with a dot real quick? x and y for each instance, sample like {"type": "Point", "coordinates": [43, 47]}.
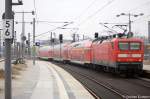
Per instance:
{"type": "Point", "coordinates": [140, 84]}
{"type": "Point", "coordinates": [110, 88]}
{"type": "Point", "coordinates": [93, 94]}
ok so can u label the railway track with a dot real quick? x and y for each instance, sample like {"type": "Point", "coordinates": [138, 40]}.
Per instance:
{"type": "Point", "coordinates": [119, 86]}
{"type": "Point", "coordinates": [92, 92]}
{"type": "Point", "coordinates": [140, 82]}
{"type": "Point", "coordinates": [105, 85]}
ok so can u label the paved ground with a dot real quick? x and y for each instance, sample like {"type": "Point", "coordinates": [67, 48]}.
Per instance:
{"type": "Point", "coordinates": [24, 84]}
{"type": "Point", "coordinates": [146, 67]}
{"type": "Point", "coordinates": [56, 83]}
{"type": "Point", "coordinates": [1, 65]}
{"type": "Point", "coordinates": [46, 81]}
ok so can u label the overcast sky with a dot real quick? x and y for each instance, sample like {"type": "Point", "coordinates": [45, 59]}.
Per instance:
{"type": "Point", "coordinates": [85, 15]}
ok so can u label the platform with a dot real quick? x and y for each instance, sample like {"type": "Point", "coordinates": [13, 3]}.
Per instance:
{"type": "Point", "coordinates": [56, 83]}
{"type": "Point", "coordinates": [146, 67]}
{"type": "Point", "coordinates": [47, 81]}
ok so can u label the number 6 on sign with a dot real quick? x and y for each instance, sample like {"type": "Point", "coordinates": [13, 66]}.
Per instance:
{"type": "Point", "coordinates": [8, 28]}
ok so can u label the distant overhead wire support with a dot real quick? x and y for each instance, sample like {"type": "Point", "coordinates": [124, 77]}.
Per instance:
{"type": "Point", "coordinates": [119, 25]}
{"type": "Point", "coordinates": [35, 8]}
{"type": "Point", "coordinates": [135, 8]}
{"type": "Point", "coordinates": [107, 27]}
{"type": "Point", "coordinates": [141, 18]}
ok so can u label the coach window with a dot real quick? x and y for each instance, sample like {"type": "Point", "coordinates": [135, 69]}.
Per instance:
{"type": "Point", "coordinates": [75, 45]}
{"type": "Point", "coordinates": [78, 45]}
{"type": "Point", "coordinates": [101, 41]}
{"type": "Point", "coordinates": [98, 42]}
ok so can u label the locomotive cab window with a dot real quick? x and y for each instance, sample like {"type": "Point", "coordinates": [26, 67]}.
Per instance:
{"type": "Point", "coordinates": [123, 46]}
{"type": "Point", "coordinates": [135, 46]}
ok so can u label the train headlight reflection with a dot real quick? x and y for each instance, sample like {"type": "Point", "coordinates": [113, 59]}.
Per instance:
{"type": "Point", "coordinates": [136, 55]}
{"type": "Point", "coordinates": [122, 55]}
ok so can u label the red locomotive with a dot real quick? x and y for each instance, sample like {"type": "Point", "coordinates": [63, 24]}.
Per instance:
{"type": "Point", "coordinates": [117, 54]}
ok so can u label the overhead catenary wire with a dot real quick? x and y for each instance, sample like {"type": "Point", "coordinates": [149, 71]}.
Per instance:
{"type": "Point", "coordinates": [99, 10]}
{"type": "Point", "coordinates": [53, 29]}
{"type": "Point", "coordinates": [43, 21]}
{"type": "Point", "coordinates": [91, 4]}
{"type": "Point", "coordinates": [47, 32]}
{"type": "Point", "coordinates": [85, 10]}
{"type": "Point", "coordinates": [140, 6]}
{"type": "Point", "coordinates": [50, 23]}
{"type": "Point", "coordinates": [135, 8]}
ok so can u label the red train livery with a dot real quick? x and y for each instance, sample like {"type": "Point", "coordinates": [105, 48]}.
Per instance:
{"type": "Point", "coordinates": [120, 54]}
{"type": "Point", "coordinates": [80, 52]}
{"type": "Point", "coordinates": [45, 52]}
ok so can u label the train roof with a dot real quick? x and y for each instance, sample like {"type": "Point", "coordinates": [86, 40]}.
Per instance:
{"type": "Point", "coordinates": [84, 43]}
{"type": "Point", "coordinates": [44, 48]}
{"type": "Point", "coordinates": [63, 45]}
{"type": "Point", "coordinates": [127, 39]}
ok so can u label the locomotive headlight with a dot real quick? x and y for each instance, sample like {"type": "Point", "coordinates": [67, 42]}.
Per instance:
{"type": "Point", "coordinates": [136, 55]}
{"type": "Point", "coordinates": [140, 60]}
{"type": "Point", "coordinates": [122, 55]}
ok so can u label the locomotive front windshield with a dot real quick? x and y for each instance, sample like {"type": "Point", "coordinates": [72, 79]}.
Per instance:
{"type": "Point", "coordinates": [134, 46]}
{"type": "Point", "coordinates": [129, 46]}
{"type": "Point", "coordinates": [123, 46]}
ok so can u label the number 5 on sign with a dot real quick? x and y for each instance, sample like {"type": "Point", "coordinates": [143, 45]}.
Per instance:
{"type": "Point", "coordinates": [8, 28]}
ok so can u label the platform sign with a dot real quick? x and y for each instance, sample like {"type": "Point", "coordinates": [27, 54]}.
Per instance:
{"type": "Point", "coordinates": [8, 28]}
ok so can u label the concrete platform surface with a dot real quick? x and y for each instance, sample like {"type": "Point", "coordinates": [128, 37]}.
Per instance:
{"type": "Point", "coordinates": [45, 81]}
{"type": "Point", "coordinates": [146, 67]}
{"type": "Point", "coordinates": [55, 83]}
